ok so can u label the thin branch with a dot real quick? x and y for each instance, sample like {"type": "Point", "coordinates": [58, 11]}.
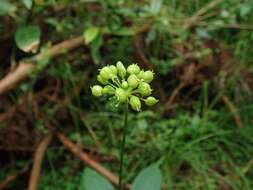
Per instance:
{"type": "Point", "coordinates": [13, 78]}
{"type": "Point", "coordinates": [234, 111]}
{"type": "Point", "coordinates": [226, 26]}
{"type": "Point", "coordinates": [9, 179]}
{"type": "Point", "coordinates": [39, 155]}
{"type": "Point", "coordinates": [196, 17]}
{"type": "Point", "coordinates": [88, 159]}
{"type": "Point", "coordinates": [140, 55]}
{"type": "Point", "coordinates": [62, 47]}
{"type": "Point", "coordinates": [209, 6]}
{"type": "Point", "coordinates": [173, 96]}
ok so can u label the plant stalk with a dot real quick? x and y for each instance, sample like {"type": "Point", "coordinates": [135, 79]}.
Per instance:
{"type": "Point", "coordinates": [122, 147]}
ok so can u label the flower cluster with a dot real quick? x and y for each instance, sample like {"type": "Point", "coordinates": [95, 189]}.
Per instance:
{"type": "Point", "coordinates": [129, 85]}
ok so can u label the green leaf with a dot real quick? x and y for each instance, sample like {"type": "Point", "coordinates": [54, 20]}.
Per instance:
{"type": "Point", "coordinates": [95, 48]}
{"type": "Point", "coordinates": [156, 6]}
{"type": "Point", "coordinates": [6, 7]}
{"type": "Point", "coordinates": [27, 38]}
{"type": "Point", "coordinates": [245, 9]}
{"type": "Point", "coordinates": [142, 124]}
{"type": "Point", "coordinates": [28, 3]}
{"type": "Point", "coordinates": [90, 34]}
{"type": "Point", "coordinates": [149, 178]}
{"type": "Point", "coordinates": [124, 32]}
{"type": "Point", "coordinates": [91, 180]}
{"type": "Point", "coordinates": [114, 23]}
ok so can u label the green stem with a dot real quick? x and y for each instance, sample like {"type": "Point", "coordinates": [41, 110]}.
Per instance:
{"type": "Point", "coordinates": [122, 148]}
{"type": "Point", "coordinates": [116, 81]}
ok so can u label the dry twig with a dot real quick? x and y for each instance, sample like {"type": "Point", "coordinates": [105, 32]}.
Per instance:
{"type": "Point", "coordinates": [196, 17]}
{"type": "Point", "coordinates": [141, 58]}
{"type": "Point", "coordinates": [233, 110]}
{"type": "Point", "coordinates": [39, 155]}
{"type": "Point", "coordinates": [87, 159]}
{"type": "Point", "coordinates": [12, 178]}
{"type": "Point", "coordinates": [173, 96]}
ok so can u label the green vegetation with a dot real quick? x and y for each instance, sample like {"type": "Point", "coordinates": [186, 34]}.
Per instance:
{"type": "Point", "coordinates": [198, 136]}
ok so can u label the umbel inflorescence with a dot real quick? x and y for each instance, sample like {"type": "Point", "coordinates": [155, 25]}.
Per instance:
{"type": "Point", "coordinates": [129, 85]}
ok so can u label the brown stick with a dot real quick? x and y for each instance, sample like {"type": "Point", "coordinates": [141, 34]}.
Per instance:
{"type": "Point", "coordinates": [62, 47]}
{"type": "Point", "coordinates": [141, 58]}
{"type": "Point", "coordinates": [173, 96]}
{"type": "Point", "coordinates": [11, 80]}
{"type": "Point", "coordinates": [209, 6]}
{"type": "Point", "coordinates": [226, 26]}
{"type": "Point", "coordinates": [39, 155]}
{"type": "Point", "coordinates": [87, 159]}
{"type": "Point", "coordinates": [233, 110]}
{"type": "Point", "coordinates": [11, 178]}
{"type": "Point", "coordinates": [14, 77]}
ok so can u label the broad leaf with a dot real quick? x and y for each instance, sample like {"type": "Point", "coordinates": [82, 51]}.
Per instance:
{"type": "Point", "coordinates": [91, 180]}
{"type": "Point", "coordinates": [27, 38]}
{"type": "Point", "coordinates": [149, 178]}
{"type": "Point", "coordinates": [90, 34]}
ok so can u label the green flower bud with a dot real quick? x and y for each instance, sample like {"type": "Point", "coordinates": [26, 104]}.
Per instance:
{"type": "Point", "coordinates": [140, 75]}
{"type": "Point", "coordinates": [121, 95]}
{"type": "Point", "coordinates": [96, 90]}
{"type": "Point", "coordinates": [124, 84]}
{"type": "Point", "coordinates": [148, 76]}
{"type": "Point", "coordinates": [106, 73]}
{"type": "Point", "coordinates": [102, 80]}
{"type": "Point", "coordinates": [108, 90]}
{"type": "Point", "coordinates": [113, 69]}
{"type": "Point", "coordinates": [135, 103]}
{"type": "Point", "coordinates": [133, 81]}
{"type": "Point", "coordinates": [133, 69]}
{"type": "Point", "coordinates": [150, 101]}
{"type": "Point", "coordinates": [121, 69]}
{"type": "Point", "coordinates": [145, 89]}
